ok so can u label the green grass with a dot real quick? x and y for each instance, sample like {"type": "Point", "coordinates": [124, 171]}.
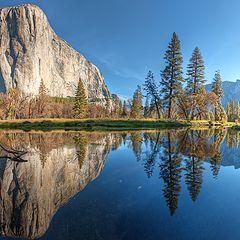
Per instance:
{"type": "Point", "coordinates": [90, 124]}
{"type": "Point", "coordinates": [105, 124]}
{"type": "Point", "coordinates": [202, 123]}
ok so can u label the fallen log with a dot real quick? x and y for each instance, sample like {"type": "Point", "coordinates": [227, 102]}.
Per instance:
{"type": "Point", "coordinates": [16, 154]}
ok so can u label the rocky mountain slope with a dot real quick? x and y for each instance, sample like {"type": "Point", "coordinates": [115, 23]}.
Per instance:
{"type": "Point", "coordinates": [231, 91]}
{"type": "Point", "coordinates": [31, 52]}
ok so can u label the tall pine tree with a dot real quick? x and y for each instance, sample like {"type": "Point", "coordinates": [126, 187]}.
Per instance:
{"type": "Point", "coordinates": [81, 103]}
{"type": "Point", "coordinates": [150, 86]}
{"type": "Point", "coordinates": [125, 110]}
{"type": "Point", "coordinates": [42, 100]}
{"type": "Point", "coordinates": [195, 72]}
{"type": "Point", "coordinates": [137, 103]}
{"type": "Point", "coordinates": [218, 90]}
{"type": "Point", "coordinates": [217, 85]}
{"type": "Point", "coordinates": [230, 110]}
{"type": "Point", "coordinates": [237, 109]}
{"type": "Point", "coordinates": [172, 77]}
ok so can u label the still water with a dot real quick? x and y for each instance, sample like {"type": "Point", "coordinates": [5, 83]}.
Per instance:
{"type": "Point", "coordinates": [178, 184]}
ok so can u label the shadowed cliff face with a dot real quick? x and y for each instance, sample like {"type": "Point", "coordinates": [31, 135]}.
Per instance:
{"type": "Point", "coordinates": [59, 166]}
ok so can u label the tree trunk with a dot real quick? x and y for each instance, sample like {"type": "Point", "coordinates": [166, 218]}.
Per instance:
{"type": "Point", "coordinates": [157, 107]}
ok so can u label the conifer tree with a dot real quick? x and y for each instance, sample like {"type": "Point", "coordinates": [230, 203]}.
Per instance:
{"type": "Point", "coordinates": [107, 107]}
{"type": "Point", "coordinates": [150, 86]}
{"type": "Point", "coordinates": [231, 107]}
{"type": "Point", "coordinates": [124, 111]}
{"type": "Point", "coordinates": [220, 114]}
{"type": "Point", "coordinates": [217, 85]}
{"type": "Point", "coordinates": [218, 90]}
{"type": "Point", "coordinates": [120, 108]}
{"type": "Point", "coordinates": [116, 111]}
{"type": "Point", "coordinates": [42, 89]}
{"type": "Point", "coordinates": [42, 100]}
{"type": "Point", "coordinates": [230, 110]}
{"type": "Point", "coordinates": [195, 72]}
{"type": "Point", "coordinates": [172, 78]}
{"type": "Point", "coordinates": [237, 109]}
{"type": "Point", "coordinates": [223, 115]}
{"type": "Point", "coordinates": [137, 103]}
{"type": "Point", "coordinates": [80, 104]}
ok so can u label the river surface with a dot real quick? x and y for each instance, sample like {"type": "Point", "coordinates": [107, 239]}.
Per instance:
{"type": "Point", "coordinates": [174, 184]}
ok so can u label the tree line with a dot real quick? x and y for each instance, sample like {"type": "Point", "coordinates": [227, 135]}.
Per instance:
{"type": "Point", "coordinates": [17, 105]}
{"type": "Point", "coordinates": [172, 97]}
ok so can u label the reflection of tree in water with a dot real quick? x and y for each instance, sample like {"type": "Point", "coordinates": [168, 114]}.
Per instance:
{"type": "Point", "coordinates": [194, 148]}
{"type": "Point", "coordinates": [124, 138]}
{"type": "Point", "coordinates": [216, 158]}
{"type": "Point", "coordinates": [43, 159]}
{"type": "Point", "coordinates": [81, 146]}
{"type": "Point", "coordinates": [170, 172]}
{"type": "Point", "coordinates": [136, 139]}
{"type": "Point", "coordinates": [115, 141]}
{"type": "Point", "coordinates": [216, 164]}
{"type": "Point", "coordinates": [170, 148]}
{"type": "Point", "coordinates": [232, 138]}
{"type": "Point", "coordinates": [194, 176]}
{"type": "Point", "coordinates": [150, 156]}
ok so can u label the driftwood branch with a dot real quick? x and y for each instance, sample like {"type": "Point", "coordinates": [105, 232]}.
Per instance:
{"type": "Point", "coordinates": [13, 154]}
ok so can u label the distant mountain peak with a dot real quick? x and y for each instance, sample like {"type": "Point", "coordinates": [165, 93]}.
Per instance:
{"type": "Point", "coordinates": [231, 91]}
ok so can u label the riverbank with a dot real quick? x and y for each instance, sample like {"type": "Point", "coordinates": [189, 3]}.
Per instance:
{"type": "Point", "coordinates": [90, 124]}
{"type": "Point", "coordinates": [103, 124]}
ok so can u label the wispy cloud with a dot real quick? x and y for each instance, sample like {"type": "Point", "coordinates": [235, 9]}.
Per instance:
{"type": "Point", "coordinates": [110, 62]}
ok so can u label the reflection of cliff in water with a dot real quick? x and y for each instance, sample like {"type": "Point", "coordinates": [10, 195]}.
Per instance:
{"type": "Point", "coordinates": [230, 150]}
{"type": "Point", "coordinates": [59, 165]}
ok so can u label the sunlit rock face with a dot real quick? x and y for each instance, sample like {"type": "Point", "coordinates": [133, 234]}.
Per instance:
{"type": "Point", "coordinates": [58, 167]}
{"type": "Point", "coordinates": [31, 52]}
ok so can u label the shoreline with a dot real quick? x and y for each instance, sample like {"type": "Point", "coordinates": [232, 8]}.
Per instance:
{"type": "Point", "coordinates": [106, 124]}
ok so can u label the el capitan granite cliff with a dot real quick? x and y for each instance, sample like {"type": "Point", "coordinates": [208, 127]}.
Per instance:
{"type": "Point", "coordinates": [31, 52]}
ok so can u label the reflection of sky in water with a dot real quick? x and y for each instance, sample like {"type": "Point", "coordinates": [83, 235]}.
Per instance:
{"type": "Point", "coordinates": [124, 204]}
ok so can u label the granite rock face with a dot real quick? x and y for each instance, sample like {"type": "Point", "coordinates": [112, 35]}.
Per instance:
{"type": "Point", "coordinates": [231, 91]}
{"type": "Point", "coordinates": [31, 52]}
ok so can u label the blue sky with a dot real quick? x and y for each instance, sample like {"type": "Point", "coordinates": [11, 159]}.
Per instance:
{"type": "Point", "coordinates": [126, 38]}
